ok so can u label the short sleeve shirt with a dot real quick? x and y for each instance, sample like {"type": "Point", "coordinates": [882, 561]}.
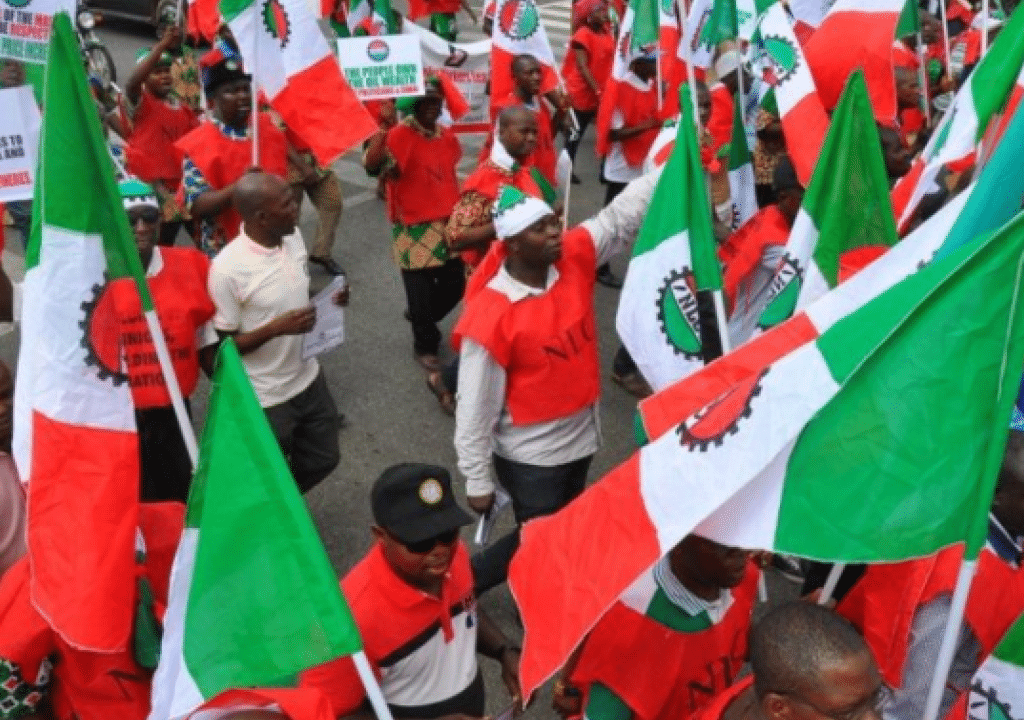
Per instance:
{"type": "Point", "coordinates": [422, 648]}
{"type": "Point", "coordinates": [251, 285]}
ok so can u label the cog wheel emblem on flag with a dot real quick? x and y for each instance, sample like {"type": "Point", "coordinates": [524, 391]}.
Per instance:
{"type": "Point", "coordinates": [783, 293]}
{"type": "Point", "coordinates": [986, 705]}
{"type": "Point", "coordinates": [779, 59]}
{"type": "Point", "coordinates": [517, 19]}
{"type": "Point", "coordinates": [101, 335]}
{"type": "Point", "coordinates": [721, 417]}
{"type": "Point", "coordinates": [276, 21]}
{"type": "Point", "coordinates": [678, 316]}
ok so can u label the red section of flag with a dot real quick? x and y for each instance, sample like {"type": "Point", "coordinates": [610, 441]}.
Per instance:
{"type": "Point", "coordinates": [203, 19]}
{"type": "Point", "coordinates": [805, 127]}
{"type": "Point", "coordinates": [556, 616]}
{"type": "Point", "coordinates": [295, 703]}
{"type": "Point", "coordinates": [83, 510]}
{"type": "Point", "coordinates": [847, 40]}
{"type": "Point", "coordinates": [311, 103]}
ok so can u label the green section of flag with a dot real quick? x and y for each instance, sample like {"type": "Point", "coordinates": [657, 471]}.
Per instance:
{"type": "Point", "coordinates": [848, 197]}
{"type": "Point", "coordinates": [231, 9]}
{"type": "Point", "coordinates": [903, 460]}
{"type": "Point", "coordinates": [1011, 648]}
{"type": "Point", "coordinates": [680, 203]}
{"type": "Point", "coordinates": [721, 23]}
{"type": "Point", "coordinates": [264, 602]}
{"type": "Point", "coordinates": [646, 22]}
{"type": "Point", "coordinates": [75, 186]}
{"type": "Point", "coordinates": [909, 22]}
{"type": "Point", "coordinates": [739, 152]}
{"type": "Point", "coordinates": [996, 73]}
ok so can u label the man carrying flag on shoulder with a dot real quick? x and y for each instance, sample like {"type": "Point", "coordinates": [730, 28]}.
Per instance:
{"type": "Point", "coordinates": [219, 151]}
{"type": "Point", "coordinates": [529, 374]}
{"type": "Point", "coordinates": [412, 598]}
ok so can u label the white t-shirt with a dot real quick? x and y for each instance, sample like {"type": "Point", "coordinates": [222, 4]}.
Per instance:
{"type": "Point", "coordinates": [616, 167]}
{"type": "Point", "coordinates": [251, 285]}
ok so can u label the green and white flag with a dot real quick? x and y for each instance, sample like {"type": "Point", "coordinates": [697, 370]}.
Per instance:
{"type": "Point", "coordinates": [673, 258]}
{"type": "Point", "coordinates": [846, 207]}
{"type": "Point", "coordinates": [741, 173]}
{"type": "Point", "coordinates": [253, 599]}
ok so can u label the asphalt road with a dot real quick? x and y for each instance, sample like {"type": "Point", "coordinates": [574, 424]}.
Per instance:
{"type": "Point", "coordinates": [391, 415]}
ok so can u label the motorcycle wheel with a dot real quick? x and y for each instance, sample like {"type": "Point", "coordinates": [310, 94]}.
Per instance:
{"type": "Point", "coordinates": [101, 64]}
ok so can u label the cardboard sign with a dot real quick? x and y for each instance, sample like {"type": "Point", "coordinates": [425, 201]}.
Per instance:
{"type": "Point", "coordinates": [19, 143]}
{"type": "Point", "coordinates": [382, 66]}
{"type": "Point", "coordinates": [25, 32]}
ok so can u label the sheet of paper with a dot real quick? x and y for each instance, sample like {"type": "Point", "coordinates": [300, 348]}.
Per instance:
{"type": "Point", "coordinates": [487, 521]}
{"type": "Point", "coordinates": [329, 330]}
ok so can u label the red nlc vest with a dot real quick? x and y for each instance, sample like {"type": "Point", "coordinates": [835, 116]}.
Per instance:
{"type": "Point", "coordinates": [664, 674]}
{"type": "Point", "coordinates": [427, 188]}
{"type": "Point", "coordinates": [151, 153]}
{"type": "Point", "coordinates": [182, 306]}
{"type": "Point", "coordinates": [222, 160]}
{"type": "Point", "coordinates": [882, 604]}
{"type": "Point", "coordinates": [546, 343]}
{"type": "Point", "coordinates": [486, 180]}
{"type": "Point", "coordinates": [637, 106]}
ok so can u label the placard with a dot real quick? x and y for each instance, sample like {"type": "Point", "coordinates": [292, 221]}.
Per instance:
{"type": "Point", "coordinates": [19, 143]}
{"type": "Point", "coordinates": [382, 66]}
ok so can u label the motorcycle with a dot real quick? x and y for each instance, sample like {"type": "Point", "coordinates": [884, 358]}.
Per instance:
{"type": "Point", "coordinates": [98, 61]}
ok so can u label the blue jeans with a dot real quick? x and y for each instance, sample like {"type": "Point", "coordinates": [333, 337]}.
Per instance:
{"type": "Point", "coordinates": [535, 491]}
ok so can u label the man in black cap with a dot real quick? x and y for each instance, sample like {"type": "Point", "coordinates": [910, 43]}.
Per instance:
{"type": "Point", "coordinates": [412, 598]}
{"type": "Point", "coordinates": [219, 151]}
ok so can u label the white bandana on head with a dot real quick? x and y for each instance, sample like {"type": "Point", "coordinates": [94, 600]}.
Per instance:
{"type": "Point", "coordinates": [514, 211]}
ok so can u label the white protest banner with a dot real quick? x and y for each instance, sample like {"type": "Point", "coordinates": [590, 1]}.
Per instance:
{"type": "Point", "coordinates": [19, 143]}
{"type": "Point", "coordinates": [468, 65]}
{"type": "Point", "coordinates": [382, 66]}
{"type": "Point", "coordinates": [25, 31]}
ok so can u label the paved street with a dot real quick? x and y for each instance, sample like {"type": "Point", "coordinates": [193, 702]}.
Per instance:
{"type": "Point", "coordinates": [391, 415]}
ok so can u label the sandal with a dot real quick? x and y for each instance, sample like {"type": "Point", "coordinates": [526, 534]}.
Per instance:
{"type": "Point", "coordinates": [444, 398]}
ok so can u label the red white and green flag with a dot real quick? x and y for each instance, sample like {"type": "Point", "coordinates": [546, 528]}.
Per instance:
{"type": "Point", "coordinates": [673, 258]}
{"type": "Point", "coordinates": [286, 52]}
{"type": "Point", "coordinates": [741, 173]}
{"type": "Point", "coordinates": [857, 34]}
{"type": "Point", "coordinates": [779, 60]}
{"type": "Point", "coordinates": [983, 94]}
{"type": "Point", "coordinates": [997, 691]}
{"type": "Point", "coordinates": [371, 17]}
{"type": "Point", "coordinates": [231, 576]}
{"type": "Point", "coordinates": [846, 207]}
{"type": "Point", "coordinates": [75, 440]}
{"type": "Point", "coordinates": [784, 459]}
{"type": "Point", "coordinates": [303, 703]}
{"type": "Point", "coordinates": [519, 30]}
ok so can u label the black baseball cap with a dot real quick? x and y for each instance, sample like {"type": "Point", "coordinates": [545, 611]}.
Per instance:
{"type": "Point", "coordinates": [415, 502]}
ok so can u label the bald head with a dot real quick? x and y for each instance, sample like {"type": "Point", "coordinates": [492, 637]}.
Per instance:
{"type": "Point", "coordinates": [515, 115]}
{"type": "Point", "coordinates": [517, 131]}
{"type": "Point", "coordinates": [254, 191]}
{"type": "Point", "coordinates": [795, 645]}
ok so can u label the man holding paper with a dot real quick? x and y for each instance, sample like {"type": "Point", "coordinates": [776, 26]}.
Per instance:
{"type": "Point", "coordinates": [260, 286]}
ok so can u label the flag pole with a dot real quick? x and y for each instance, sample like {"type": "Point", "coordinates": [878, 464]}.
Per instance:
{"type": "Point", "coordinates": [984, 27]}
{"type": "Point", "coordinates": [373, 693]}
{"type": "Point", "coordinates": [254, 89]}
{"type": "Point", "coordinates": [661, 94]}
{"type": "Point", "coordinates": [188, 434]}
{"type": "Point", "coordinates": [829, 588]}
{"type": "Point", "coordinates": [945, 37]}
{"type": "Point", "coordinates": [949, 639]}
{"type": "Point", "coordinates": [723, 327]}
{"type": "Point", "coordinates": [922, 73]}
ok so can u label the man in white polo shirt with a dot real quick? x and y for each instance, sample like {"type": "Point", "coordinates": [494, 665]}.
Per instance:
{"type": "Point", "coordinates": [260, 287]}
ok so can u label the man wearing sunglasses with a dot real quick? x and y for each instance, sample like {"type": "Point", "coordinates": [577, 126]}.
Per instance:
{"type": "Point", "coordinates": [807, 663]}
{"type": "Point", "coordinates": [412, 598]}
{"type": "Point", "coordinates": [120, 344]}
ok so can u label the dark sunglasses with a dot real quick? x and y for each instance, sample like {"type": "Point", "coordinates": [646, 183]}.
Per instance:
{"type": "Point", "coordinates": [422, 547]}
{"type": "Point", "coordinates": [148, 215]}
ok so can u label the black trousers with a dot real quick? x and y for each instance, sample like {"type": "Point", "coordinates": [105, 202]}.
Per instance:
{"type": "Point", "coordinates": [535, 491]}
{"type": "Point", "coordinates": [432, 293]}
{"type": "Point", "coordinates": [584, 118]}
{"type": "Point", "coordinates": [306, 428]}
{"type": "Point", "coordinates": [166, 469]}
